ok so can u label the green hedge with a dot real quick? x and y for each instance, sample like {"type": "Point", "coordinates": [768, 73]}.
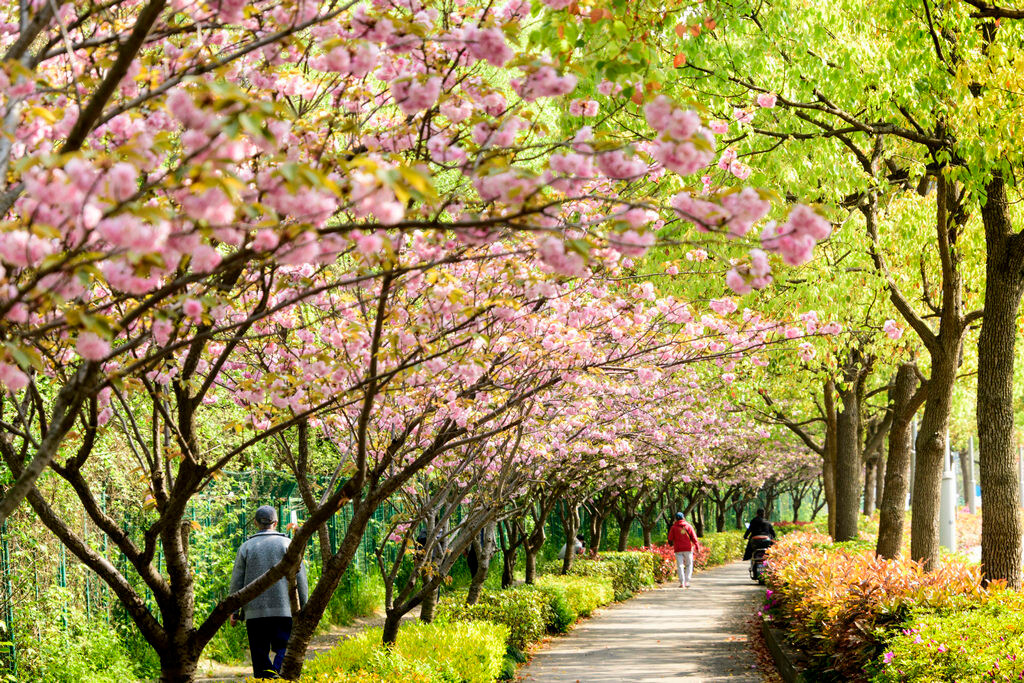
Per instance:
{"type": "Point", "coordinates": [629, 572]}
{"type": "Point", "coordinates": [720, 548]}
{"type": "Point", "coordinates": [583, 594]}
{"type": "Point", "coordinates": [525, 611]}
{"type": "Point", "coordinates": [424, 653]}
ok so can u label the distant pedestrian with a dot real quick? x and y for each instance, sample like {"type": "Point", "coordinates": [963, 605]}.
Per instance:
{"type": "Point", "coordinates": [268, 616]}
{"type": "Point", "coordinates": [577, 548]}
{"type": "Point", "coordinates": [684, 541]}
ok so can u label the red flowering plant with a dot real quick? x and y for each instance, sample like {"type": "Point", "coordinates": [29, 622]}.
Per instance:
{"type": "Point", "coordinates": [666, 567]}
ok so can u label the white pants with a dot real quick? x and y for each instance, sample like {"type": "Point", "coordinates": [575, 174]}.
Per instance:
{"type": "Point", "coordinates": [684, 564]}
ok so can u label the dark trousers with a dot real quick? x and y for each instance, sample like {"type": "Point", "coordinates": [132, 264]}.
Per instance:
{"type": "Point", "coordinates": [266, 634]}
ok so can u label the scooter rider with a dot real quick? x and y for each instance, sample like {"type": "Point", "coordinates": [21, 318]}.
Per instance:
{"type": "Point", "coordinates": [759, 526]}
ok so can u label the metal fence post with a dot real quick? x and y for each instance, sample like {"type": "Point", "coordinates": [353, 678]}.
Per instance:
{"type": "Point", "coordinates": [5, 569]}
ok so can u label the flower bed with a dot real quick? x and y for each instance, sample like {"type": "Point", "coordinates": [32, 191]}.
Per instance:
{"type": "Point", "coordinates": [974, 645]}
{"type": "Point", "coordinates": [839, 603]}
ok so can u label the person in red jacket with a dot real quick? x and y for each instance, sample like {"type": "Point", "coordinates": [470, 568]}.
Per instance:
{"type": "Point", "coordinates": [684, 540]}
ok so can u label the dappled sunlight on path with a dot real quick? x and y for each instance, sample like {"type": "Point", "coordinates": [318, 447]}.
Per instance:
{"type": "Point", "coordinates": [668, 634]}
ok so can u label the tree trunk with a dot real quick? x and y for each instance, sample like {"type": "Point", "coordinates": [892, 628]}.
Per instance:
{"type": "Point", "coordinates": [571, 524]}
{"type": "Point", "coordinates": [597, 530]}
{"type": "Point", "coordinates": [178, 667]}
{"type": "Point", "coordinates": [536, 540]}
{"type": "Point", "coordinates": [797, 502]}
{"type": "Point", "coordinates": [484, 546]}
{"type": "Point", "coordinates": [818, 501]}
{"type": "Point", "coordinates": [897, 471]}
{"type": "Point", "coordinates": [1004, 284]}
{"type": "Point", "coordinates": [428, 605]}
{"type": "Point", "coordinates": [647, 534]}
{"type": "Point", "coordinates": [966, 475]}
{"type": "Point", "coordinates": [625, 526]}
{"type": "Point", "coordinates": [720, 515]}
{"type": "Point", "coordinates": [392, 620]}
{"type": "Point", "coordinates": [531, 564]}
{"type": "Point", "coordinates": [930, 448]}
{"type": "Point", "coordinates": [738, 509]}
{"type": "Point", "coordinates": [828, 465]}
{"type": "Point", "coordinates": [304, 624]}
{"type": "Point", "coordinates": [508, 554]}
{"type": "Point", "coordinates": [848, 456]}
{"type": "Point", "coordinates": [870, 471]}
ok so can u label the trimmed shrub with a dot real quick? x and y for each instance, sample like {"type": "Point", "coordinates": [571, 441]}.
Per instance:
{"type": "Point", "coordinates": [643, 566]}
{"type": "Point", "coordinates": [629, 571]}
{"type": "Point", "coordinates": [840, 602]}
{"type": "Point", "coordinates": [583, 594]}
{"type": "Point", "coordinates": [719, 548]}
{"type": "Point", "coordinates": [524, 610]}
{"type": "Point", "coordinates": [560, 614]}
{"type": "Point", "coordinates": [423, 653]}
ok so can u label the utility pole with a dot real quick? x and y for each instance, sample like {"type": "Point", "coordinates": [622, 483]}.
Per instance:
{"type": "Point", "coordinates": [967, 467]}
{"type": "Point", "coordinates": [947, 502]}
{"type": "Point", "coordinates": [913, 460]}
{"type": "Point", "coordinates": [1020, 472]}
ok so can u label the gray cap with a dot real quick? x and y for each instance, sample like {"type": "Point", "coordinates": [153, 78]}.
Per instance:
{"type": "Point", "coordinates": [266, 514]}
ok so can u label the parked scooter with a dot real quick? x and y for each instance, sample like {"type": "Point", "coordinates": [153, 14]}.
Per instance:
{"type": "Point", "coordinates": [757, 560]}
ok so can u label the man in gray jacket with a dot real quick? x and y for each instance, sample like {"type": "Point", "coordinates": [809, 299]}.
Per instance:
{"type": "Point", "coordinates": [268, 616]}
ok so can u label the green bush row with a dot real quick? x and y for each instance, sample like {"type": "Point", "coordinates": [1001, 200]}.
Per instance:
{"type": "Point", "coordinates": [552, 605]}
{"type": "Point", "coordinates": [583, 594]}
{"type": "Point", "coordinates": [524, 610]}
{"type": "Point", "coordinates": [719, 548]}
{"type": "Point", "coordinates": [469, 652]}
{"type": "Point", "coordinates": [628, 571]}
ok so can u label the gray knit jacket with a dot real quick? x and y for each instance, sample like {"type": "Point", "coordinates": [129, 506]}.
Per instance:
{"type": "Point", "coordinates": [256, 556]}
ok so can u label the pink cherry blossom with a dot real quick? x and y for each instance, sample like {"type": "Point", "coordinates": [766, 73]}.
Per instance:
{"type": "Point", "coordinates": [265, 240]}
{"type": "Point", "coordinates": [488, 44]}
{"type": "Point", "coordinates": [719, 127]}
{"type": "Point", "coordinates": [723, 306]}
{"type": "Point", "coordinates": [91, 346]}
{"type": "Point", "coordinates": [892, 330]}
{"type": "Point", "coordinates": [737, 282]}
{"type": "Point", "coordinates": [832, 327]}
{"type": "Point", "coordinates": [766, 100]}
{"type": "Point", "coordinates": [743, 115]}
{"type": "Point", "coordinates": [553, 253]}
{"type": "Point", "coordinates": [205, 259]}
{"type": "Point", "coordinates": [193, 309]}
{"type": "Point", "coordinates": [12, 377]}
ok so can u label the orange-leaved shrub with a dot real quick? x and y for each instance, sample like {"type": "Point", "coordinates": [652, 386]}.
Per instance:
{"type": "Point", "coordinates": [839, 601]}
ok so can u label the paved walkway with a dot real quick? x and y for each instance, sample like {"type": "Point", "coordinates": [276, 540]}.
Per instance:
{"type": "Point", "coordinates": [667, 634]}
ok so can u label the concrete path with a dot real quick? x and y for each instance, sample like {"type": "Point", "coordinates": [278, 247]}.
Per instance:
{"type": "Point", "coordinates": [667, 634]}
